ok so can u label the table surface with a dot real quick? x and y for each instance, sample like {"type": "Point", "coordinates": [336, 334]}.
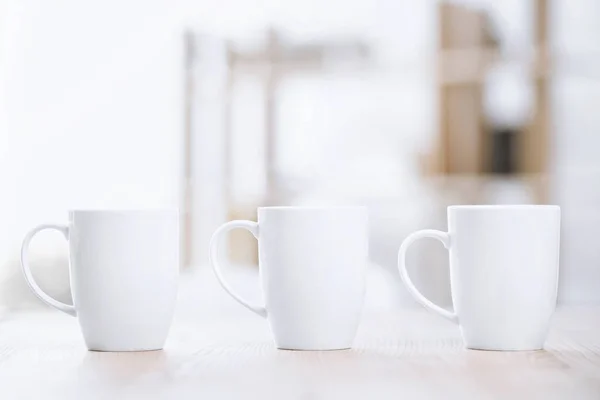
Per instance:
{"type": "Point", "coordinates": [218, 350]}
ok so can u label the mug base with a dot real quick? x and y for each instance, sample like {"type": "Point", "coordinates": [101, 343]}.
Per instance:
{"type": "Point", "coordinates": [289, 348]}
{"type": "Point", "coordinates": [122, 350]}
{"type": "Point", "coordinates": [536, 347]}
{"type": "Point", "coordinates": [505, 340]}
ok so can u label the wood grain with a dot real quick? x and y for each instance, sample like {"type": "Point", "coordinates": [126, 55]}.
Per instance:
{"type": "Point", "coordinates": [218, 350]}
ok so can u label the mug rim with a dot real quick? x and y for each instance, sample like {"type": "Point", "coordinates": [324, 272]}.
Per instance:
{"type": "Point", "coordinates": [482, 207]}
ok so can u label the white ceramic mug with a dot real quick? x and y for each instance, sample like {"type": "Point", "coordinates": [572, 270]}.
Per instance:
{"type": "Point", "coordinates": [312, 267]}
{"type": "Point", "coordinates": [124, 268]}
{"type": "Point", "coordinates": [503, 273]}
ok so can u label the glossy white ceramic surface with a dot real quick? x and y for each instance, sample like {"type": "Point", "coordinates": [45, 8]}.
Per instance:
{"type": "Point", "coordinates": [503, 272]}
{"type": "Point", "coordinates": [124, 268]}
{"type": "Point", "coordinates": [312, 267]}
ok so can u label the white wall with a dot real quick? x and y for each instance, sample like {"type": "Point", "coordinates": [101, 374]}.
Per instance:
{"type": "Point", "coordinates": [91, 102]}
{"type": "Point", "coordinates": [91, 96]}
{"type": "Point", "coordinates": [93, 109]}
{"type": "Point", "coordinates": [576, 126]}
{"type": "Point", "coordinates": [93, 91]}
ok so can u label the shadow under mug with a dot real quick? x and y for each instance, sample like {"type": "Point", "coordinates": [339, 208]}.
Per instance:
{"type": "Point", "coordinates": [503, 273]}
{"type": "Point", "coordinates": [124, 268]}
{"type": "Point", "coordinates": [312, 269]}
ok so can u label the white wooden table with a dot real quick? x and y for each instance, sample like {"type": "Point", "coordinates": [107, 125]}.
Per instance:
{"type": "Point", "coordinates": [218, 350]}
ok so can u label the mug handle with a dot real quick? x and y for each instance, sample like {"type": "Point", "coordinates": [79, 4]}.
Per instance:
{"type": "Point", "coordinates": [214, 260]}
{"type": "Point", "coordinates": [427, 233]}
{"type": "Point", "coordinates": [66, 308]}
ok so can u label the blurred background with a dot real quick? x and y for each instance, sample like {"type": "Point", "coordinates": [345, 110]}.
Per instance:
{"type": "Point", "coordinates": [218, 108]}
